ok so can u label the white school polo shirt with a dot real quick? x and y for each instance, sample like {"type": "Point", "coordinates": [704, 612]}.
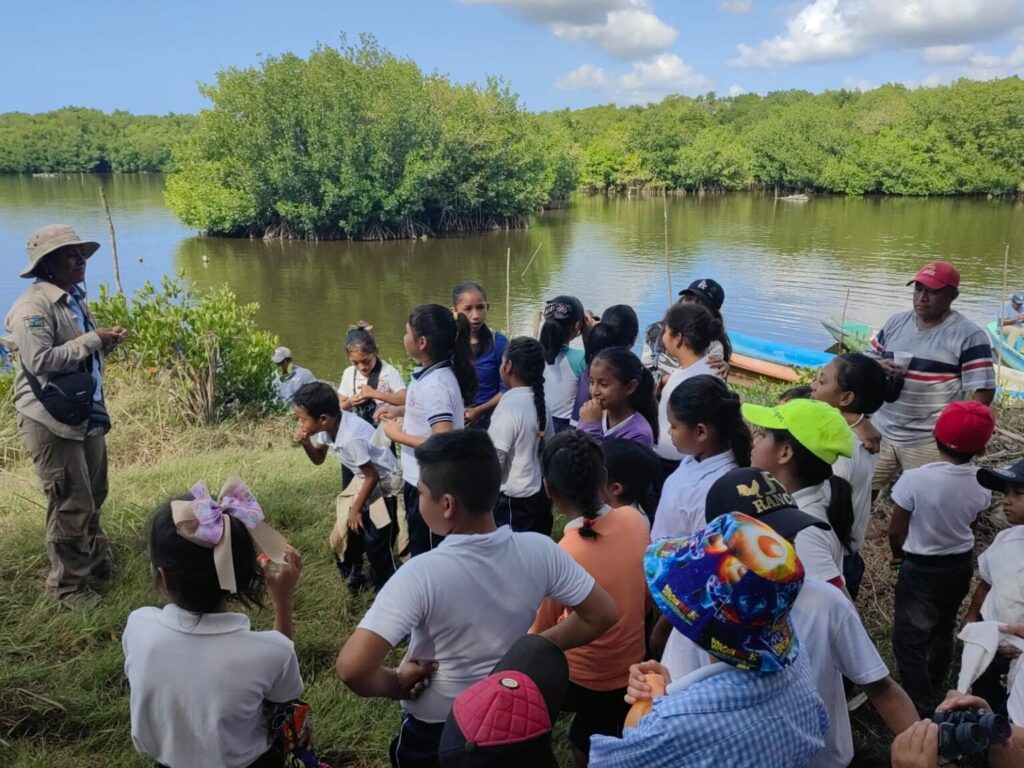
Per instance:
{"type": "Point", "coordinates": [560, 380]}
{"type": "Point", "coordinates": [1002, 568]}
{"type": "Point", "coordinates": [943, 500]}
{"type": "Point", "coordinates": [665, 449]}
{"type": "Point", "coordinates": [681, 507]}
{"type": "Point", "coordinates": [352, 446]}
{"type": "Point", "coordinates": [516, 437]}
{"type": "Point", "coordinates": [819, 550]}
{"type": "Point", "coordinates": [858, 472]}
{"type": "Point", "coordinates": [432, 397]}
{"type": "Point", "coordinates": [198, 684]}
{"type": "Point", "coordinates": [390, 381]}
{"type": "Point", "coordinates": [464, 603]}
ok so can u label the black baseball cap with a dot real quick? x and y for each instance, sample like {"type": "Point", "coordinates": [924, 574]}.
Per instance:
{"type": "Point", "coordinates": [707, 290]}
{"type": "Point", "coordinates": [998, 479]}
{"type": "Point", "coordinates": [505, 720]}
{"type": "Point", "coordinates": [758, 494]}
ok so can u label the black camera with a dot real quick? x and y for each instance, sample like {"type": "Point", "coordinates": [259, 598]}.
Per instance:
{"type": "Point", "coordinates": [969, 732]}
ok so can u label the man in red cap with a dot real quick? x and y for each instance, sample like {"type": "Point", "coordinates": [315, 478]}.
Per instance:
{"type": "Point", "coordinates": [941, 355]}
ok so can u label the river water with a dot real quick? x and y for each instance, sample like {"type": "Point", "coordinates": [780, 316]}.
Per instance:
{"type": "Point", "coordinates": [784, 266]}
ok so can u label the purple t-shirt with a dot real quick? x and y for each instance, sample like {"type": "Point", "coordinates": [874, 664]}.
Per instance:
{"type": "Point", "coordinates": [634, 428]}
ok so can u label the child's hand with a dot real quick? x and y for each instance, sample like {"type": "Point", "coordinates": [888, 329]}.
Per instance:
{"type": "Point", "coordinates": [719, 366]}
{"type": "Point", "coordinates": [355, 519]}
{"type": "Point", "coordinates": [472, 414]}
{"type": "Point", "coordinates": [637, 688]}
{"type": "Point", "coordinates": [301, 437]}
{"type": "Point", "coordinates": [386, 413]}
{"type": "Point", "coordinates": [916, 747]}
{"type": "Point", "coordinates": [281, 583]}
{"type": "Point", "coordinates": [393, 429]}
{"type": "Point", "coordinates": [414, 677]}
{"type": "Point", "coordinates": [869, 436]}
{"type": "Point", "coordinates": [590, 411]}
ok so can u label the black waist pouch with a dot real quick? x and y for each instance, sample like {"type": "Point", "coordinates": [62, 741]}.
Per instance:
{"type": "Point", "coordinates": [68, 397]}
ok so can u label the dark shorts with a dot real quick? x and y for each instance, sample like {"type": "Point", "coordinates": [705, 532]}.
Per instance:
{"type": "Point", "coordinates": [416, 744]}
{"type": "Point", "coordinates": [597, 712]}
{"type": "Point", "coordinates": [528, 513]}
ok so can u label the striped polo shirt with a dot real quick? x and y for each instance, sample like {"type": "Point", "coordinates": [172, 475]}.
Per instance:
{"type": "Point", "coordinates": [951, 359]}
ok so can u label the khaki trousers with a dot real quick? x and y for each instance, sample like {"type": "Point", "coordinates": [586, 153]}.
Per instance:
{"type": "Point", "coordinates": [1013, 333]}
{"type": "Point", "coordinates": [73, 474]}
{"type": "Point", "coordinates": [894, 459]}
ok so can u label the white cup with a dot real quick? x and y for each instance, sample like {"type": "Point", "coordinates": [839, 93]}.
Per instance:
{"type": "Point", "coordinates": [902, 359]}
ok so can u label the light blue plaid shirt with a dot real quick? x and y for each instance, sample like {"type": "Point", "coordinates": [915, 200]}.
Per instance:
{"type": "Point", "coordinates": [732, 719]}
{"type": "Point", "coordinates": [287, 386]}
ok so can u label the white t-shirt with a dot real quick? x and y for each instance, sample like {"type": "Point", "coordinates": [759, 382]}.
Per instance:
{"type": "Point", "coordinates": [1002, 568]}
{"type": "Point", "coordinates": [198, 684]}
{"type": "Point", "coordinates": [858, 471]}
{"type": "Point", "coordinates": [831, 633]}
{"type": "Point", "coordinates": [819, 550]}
{"type": "Point", "coordinates": [390, 380]}
{"type": "Point", "coordinates": [560, 381]}
{"type": "Point", "coordinates": [1015, 704]}
{"type": "Point", "coordinates": [516, 437]}
{"type": "Point", "coordinates": [352, 446]}
{"type": "Point", "coordinates": [464, 603]}
{"type": "Point", "coordinates": [433, 397]}
{"type": "Point", "coordinates": [943, 500]}
{"type": "Point", "coordinates": [664, 448]}
{"type": "Point", "coordinates": [681, 507]}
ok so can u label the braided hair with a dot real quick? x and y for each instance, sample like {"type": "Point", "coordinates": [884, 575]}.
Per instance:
{"type": "Point", "coordinates": [573, 467]}
{"type": "Point", "coordinates": [527, 358]}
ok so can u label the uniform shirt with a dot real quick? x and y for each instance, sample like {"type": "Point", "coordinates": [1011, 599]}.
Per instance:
{"type": "Point", "coordinates": [464, 603]}
{"type": "Point", "coordinates": [634, 427]}
{"type": "Point", "coordinates": [943, 500]}
{"type": "Point", "coordinates": [50, 343]}
{"type": "Point", "coordinates": [352, 446]}
{"type": "Point", "coordinates": [681, 507]}
{"type": "Point", "coordinates": [858, 472]}
{"type": "Point", "coordinates": [516, 437]}
{"type": "Point", "coordinates": [560, 379]}
{"type": "Point", "coordinates": [950, 359]}
{"type": "Point", "coordinates": [819, 550]}
{"type": "Point", "coordinates": [722, 716]}
{"type": "Point", "coordinates": [390, 380]}
{"type": "Point", "coordinates": [616, 561]}
{"type": "Point", "coordinates": [487, 367]}
{"type": "Point", "coordinates": [85, 321]}
{"type": "Point", "coordinates": [665, 449]}
{"type": "Point", "coordinates": [1002, 568]}
{"type": "Point", "coordinates": [198, 684]}
{"type": "Point", "coordinates": [288, 385]}
{"type": "Point", "coordinates": [433, 397]}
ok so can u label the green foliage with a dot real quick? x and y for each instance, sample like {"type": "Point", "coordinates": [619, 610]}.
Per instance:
{"type": "Point", "coordinates": [75, 140]}
{"type": "Point", "coordinates": [355, 142]}
{"type": "Point", "coordinates": [209, 343]}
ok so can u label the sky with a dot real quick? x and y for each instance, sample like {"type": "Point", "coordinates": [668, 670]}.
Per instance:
{"type": "Point", "coordinates": [147, 56]}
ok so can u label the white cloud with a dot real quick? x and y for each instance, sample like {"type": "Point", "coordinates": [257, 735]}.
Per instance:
{"type": "Point", "coordinates": [666, 73]}
{"type": "Point", "coordinates": [736, 7]}
{"type": "Point", "coordinates": [858, 84]}
{"type": "Point", "coordinates": [986, 66]}
{"type": "Point", "coordinates": [585, 77]}
{"type": "Point", "coordinates": [737, 90]}
{"type": "Point", "coordinates": [946, 54]}
{"type": "Point", "coordinates": [627, 34]}
{"type": "Point", "coordinates": [627, 29]}
{"type": "Point", "coordinates": [826, 30]}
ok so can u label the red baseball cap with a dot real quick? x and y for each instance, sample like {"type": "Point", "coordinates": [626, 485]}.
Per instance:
{"type": "Point", "coordinates": [965, 425]}
{"type": "Point", "coordinates": [937, 274]}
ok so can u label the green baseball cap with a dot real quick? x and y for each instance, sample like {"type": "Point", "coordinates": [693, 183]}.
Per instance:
{"type": "Point", "coordinates": [817, 426]}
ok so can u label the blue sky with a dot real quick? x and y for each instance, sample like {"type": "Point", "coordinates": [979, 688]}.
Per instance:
{"type": "Point", "coordinates": [147, 56]}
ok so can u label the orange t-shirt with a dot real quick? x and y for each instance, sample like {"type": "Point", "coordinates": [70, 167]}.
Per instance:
{"type": "Point", "coordinates": [616, 561]}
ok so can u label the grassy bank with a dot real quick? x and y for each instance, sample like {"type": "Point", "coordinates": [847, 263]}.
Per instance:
{"type": "Point", "coordinates": [63, 697]}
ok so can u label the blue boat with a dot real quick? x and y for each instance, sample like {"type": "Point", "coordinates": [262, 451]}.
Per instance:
{"type": "Point", "coordinates": [1012, 357]}
{"type": "Point", "coordinates": [778, 351]}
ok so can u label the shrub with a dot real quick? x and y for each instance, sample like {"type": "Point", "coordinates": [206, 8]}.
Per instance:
{"type": "Point", "coordinates": [209, 342]}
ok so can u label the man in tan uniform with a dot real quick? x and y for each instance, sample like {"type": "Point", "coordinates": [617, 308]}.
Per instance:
{"type": "Point", "coordinates": [56, 336]}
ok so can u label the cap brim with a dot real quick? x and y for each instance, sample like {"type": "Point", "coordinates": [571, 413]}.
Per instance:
{"type": "Point", "coordinates": [929, 282]}
{"type": "Point", "coordinates": [789, 521]}
{"type": "Point", "coordinates": [764, 416]}
{"type": "Point", "coordinates": [91, 247]}
{"type": "Point", "coordinates": [998, 479]}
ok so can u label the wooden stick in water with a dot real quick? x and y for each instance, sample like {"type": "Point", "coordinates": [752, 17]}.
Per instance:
{"type": "Point", "coordinates": [842, 324]}
{"type": "Point", "coordinates": [113, 242]}
{"type": "Point", "coordinates": [668, 266]}
{"type": "Point", "coordinates": [527, 268]}
{"type": "Point", "coordinates": [1002, 303]}
{"type": "Point", "coordinates": [508, 292]}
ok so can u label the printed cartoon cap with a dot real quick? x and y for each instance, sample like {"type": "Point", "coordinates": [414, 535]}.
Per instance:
{"type": "Point", "coordinates": [999, 479]}
{"type": "Point", "coordinates": [707, 290]}
{"type": "Point", "coordinates": [817, 426]}
{"type": "Point", "coordinates": [280, 355]}
{"type": "Point", "coordinates": [937, 274]}
{"type": "Point", "coordinates": [729, 588]}
{"type": "Point", "coordinates": [506, 718]}
{"type": "Point", "coordinates": [757, 493]}
{"type": "Point", "coordinates": [965, 425]}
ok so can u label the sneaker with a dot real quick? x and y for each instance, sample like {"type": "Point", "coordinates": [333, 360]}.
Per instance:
{"type": "Point", "coordinates": [86, 597]}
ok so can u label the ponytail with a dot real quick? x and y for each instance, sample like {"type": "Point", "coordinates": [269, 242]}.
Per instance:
{"type": "Point", "coordinates": [628, 367]}
{"type": "Point", "coordinates": [705, 399]}
{"type": "Point", "coordinates": [562, 315]}
{"type": "Point", "coordinates": [448, 338]}
{"type": "Point", "coordinates": [573, 467]}
{"type": "Point", "coordinates": [696, 324]}
{"type": "Point", "coordinates": [527, 358]}
{"type": "Point", "coordinates": [840, 509]}
{"type": "Point", "coordinates": [868, 381]}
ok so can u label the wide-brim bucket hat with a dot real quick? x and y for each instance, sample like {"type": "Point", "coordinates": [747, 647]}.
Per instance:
{"type": "Point", "coordinates": [52, 238]}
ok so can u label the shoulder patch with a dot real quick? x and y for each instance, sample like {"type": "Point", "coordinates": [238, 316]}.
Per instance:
{"type": "Point", "coordinates": [33, 322]}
